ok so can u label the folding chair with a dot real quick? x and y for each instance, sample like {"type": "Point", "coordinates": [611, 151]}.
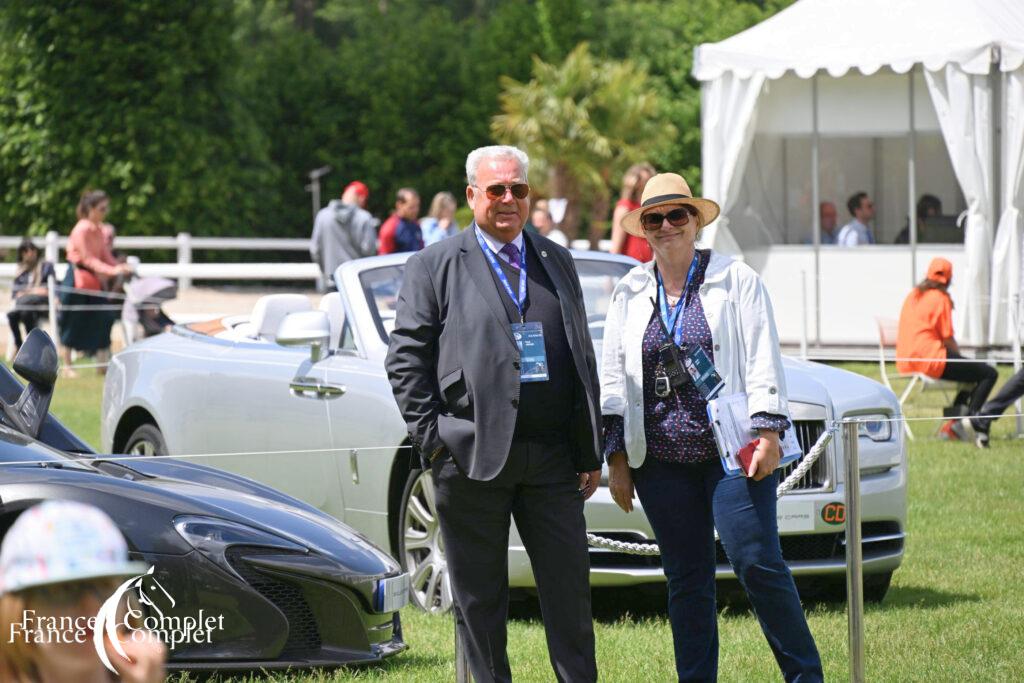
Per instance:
{"type": "Point", "coordinates": [887, 331]}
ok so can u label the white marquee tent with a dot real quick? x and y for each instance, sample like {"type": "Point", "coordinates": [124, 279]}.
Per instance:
{"type": "Point", "coordinates": [968, 57]}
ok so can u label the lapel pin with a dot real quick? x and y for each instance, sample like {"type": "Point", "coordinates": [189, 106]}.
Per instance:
{"type": "Point", "coordinates": [544, 253]}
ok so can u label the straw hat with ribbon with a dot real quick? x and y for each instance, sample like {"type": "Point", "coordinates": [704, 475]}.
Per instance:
{"type": "Point", "coordinates": [664, 189]}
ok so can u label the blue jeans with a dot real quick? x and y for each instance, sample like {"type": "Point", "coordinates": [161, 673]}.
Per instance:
{"type": "Point", "coordinates": [685, 503]}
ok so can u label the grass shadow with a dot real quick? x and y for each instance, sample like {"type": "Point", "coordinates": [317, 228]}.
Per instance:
{"type": "Point", "coordinates": [926, 597]}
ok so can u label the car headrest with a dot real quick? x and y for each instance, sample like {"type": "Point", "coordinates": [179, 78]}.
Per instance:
{"type": "Point", "coordinates": [272, 308]}
{"type": "Point", "coordinates": [332, 306]}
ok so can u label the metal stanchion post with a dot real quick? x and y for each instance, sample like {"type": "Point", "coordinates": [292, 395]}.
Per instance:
{"type": "Point", "coordinates": [51, 302]}
{"type": "Point", "coordinates": [462, 673]}
{"type": "Point", "coordinates": [854, 573]}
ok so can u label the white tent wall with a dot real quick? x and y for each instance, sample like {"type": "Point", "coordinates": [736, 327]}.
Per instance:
{"type": "Point", "coordinates": [861, 285]}
{"type": "Point", "coordinates": [855, 139]}
{"type": "Point", "coordinates": [963, 103]}
{"type": "Point", "coordinates": [729, 105]}
{"type": "Point", "coordinates": [1006, 310]}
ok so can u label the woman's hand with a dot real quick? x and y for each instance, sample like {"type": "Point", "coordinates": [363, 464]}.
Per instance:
{"type": "Point", "coordinates": [766, 455]}
{"type": "Point", "coordinates": [620, 481]}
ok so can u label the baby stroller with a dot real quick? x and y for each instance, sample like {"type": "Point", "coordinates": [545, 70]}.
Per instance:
{"type": "Point", "coordinates": [142, 306]}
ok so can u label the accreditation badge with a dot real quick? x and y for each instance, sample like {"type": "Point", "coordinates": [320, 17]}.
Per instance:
{"type": "Point", "coordinates": [702, 372]}
{"type": "Point", "coordinates": [533, 357]}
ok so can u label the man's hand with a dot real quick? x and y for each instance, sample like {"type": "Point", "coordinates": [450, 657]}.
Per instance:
{"type": "Point", "coordinates": [589, 482]}
{"type": "Point", "coordinates": [620, 481]}
{"type": "Point", "coordinates": [766, 455]}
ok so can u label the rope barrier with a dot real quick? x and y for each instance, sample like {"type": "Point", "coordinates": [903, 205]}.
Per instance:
{"type": "Point", "coordinates": [805, 463]}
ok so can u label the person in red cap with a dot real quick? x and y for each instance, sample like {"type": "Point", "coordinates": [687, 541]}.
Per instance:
{"type": "Point", "coordinates": [925, 344]}
{"type": "Point", "coordinates": [344, 230]}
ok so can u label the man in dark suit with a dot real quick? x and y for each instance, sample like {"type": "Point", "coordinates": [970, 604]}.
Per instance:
{"type": "Point", "coordinates": [493, 368]}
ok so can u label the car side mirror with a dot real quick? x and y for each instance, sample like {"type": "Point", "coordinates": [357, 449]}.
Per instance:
{"type": "Point", "coordinates": [306, 328]}
{"type": "Point", "coordinates": [36, 363]}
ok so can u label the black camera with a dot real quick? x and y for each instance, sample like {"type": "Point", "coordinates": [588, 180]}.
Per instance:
{"type": "Point", "coordinates": [672, 365]}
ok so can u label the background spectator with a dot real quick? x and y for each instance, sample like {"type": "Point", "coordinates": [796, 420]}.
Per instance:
{"type": "Point", "coordinates": [541, 219]}
{"type": "Point", "coordinates": [63, 559]}
{"type": "Point", "coordinates": [30, 291]}
{"type": "Point", "coordinates": [440, 220]}
{"type": "Point", "coordinates": [93, 269]}
{"type": "Point", "coordinates": [400, 232]}
{"type": "Point", "coordinates": [928, 206]}
{"type": "Point", "coordinates": [343, 230]}
{"type": "Point", "coordinates": [996, 406]}
{"type": "Point", "coordinates": [633, 183]}
{"type": "Point", "coordinates": [857, 232]}
{"type": "Point", "coordinates": [925, 344]}
{"type": "Point", "coordinates": [828, 218]}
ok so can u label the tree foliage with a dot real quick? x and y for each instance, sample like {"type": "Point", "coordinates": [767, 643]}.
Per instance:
{"type": "Point", "coordinates": [582, 122]}
{"type": "Point", "coordinates": [207, 116]}
{"type": "Point", "coordinates": [133, 96]}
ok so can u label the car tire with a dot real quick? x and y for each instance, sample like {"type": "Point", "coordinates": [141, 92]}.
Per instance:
{"type": "Point", "coordinates": [876, 586]}
{"type": "Point", "coordinates": [146, 440]}
{"type": "Point", "coordinates": [420, 547]}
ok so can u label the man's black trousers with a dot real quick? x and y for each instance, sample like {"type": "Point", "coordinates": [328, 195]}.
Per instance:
{"type": "Point", "coordinates": [539, 489]}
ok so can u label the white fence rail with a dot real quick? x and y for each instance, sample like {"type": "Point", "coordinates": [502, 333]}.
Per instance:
{"type": "Point", "coordinates": [184, 271]}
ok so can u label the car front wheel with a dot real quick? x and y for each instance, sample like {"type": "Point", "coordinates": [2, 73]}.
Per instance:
{"type": "Point", "coordinates": [146, 440]}
{"type": "Point", "coordinates": [420, 548]}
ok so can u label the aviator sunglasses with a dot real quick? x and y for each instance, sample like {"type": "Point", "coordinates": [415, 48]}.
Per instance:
{"type": "Point", "coordinates": [676, 218]}
{"type": "Point", "coordinates": [495, 192]}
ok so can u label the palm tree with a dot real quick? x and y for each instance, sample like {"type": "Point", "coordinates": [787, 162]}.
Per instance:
{"type": "Point", "coordinates": [582, 123]}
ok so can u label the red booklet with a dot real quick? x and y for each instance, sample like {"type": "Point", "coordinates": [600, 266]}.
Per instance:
{"type": "Point", "coordinates": [746, 455]}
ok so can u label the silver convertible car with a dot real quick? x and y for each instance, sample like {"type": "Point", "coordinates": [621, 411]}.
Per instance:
{"type": "Point", "coordinates": [297, 398]}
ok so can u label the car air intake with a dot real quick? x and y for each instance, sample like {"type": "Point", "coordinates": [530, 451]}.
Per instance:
{"type": "Point", "coordinates": [303, 634]}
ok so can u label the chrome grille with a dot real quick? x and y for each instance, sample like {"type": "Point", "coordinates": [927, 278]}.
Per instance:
{"type": "Point", "coordinates": [807, 433]}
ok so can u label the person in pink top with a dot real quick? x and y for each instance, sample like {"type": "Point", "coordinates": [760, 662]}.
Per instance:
{"type": "Point", "coordinates": [93, 270]}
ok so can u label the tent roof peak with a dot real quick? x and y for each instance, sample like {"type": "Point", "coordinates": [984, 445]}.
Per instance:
{"type": "Point", "coordinates": [839, 35]}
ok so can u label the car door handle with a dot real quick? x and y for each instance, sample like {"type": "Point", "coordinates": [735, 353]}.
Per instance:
{"type": "Point", "coordinates": [311, 388]}
{"type": "Point", "coordinates": [330, 390]}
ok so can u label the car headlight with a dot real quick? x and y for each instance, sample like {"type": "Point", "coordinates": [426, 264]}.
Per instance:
{"type": "Point", "coordinates": [875, 427]}
{"type": "Point", "coordinates": [212, 537]}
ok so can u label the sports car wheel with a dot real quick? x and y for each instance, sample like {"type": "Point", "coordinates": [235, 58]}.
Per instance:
{"type": "Point", "coordinates": [420, 548]}
{"type": "Point", "coordinates": [146, 440]}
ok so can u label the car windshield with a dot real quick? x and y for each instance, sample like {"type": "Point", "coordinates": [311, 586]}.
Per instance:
{"type": "Point", "coordinates": [15, 447]}
{"type": "Point", "coordinates": [597, 279]}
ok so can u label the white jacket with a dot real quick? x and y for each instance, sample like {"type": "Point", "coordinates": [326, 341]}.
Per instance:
{"type": "Point", "coordinates": [743, 334]}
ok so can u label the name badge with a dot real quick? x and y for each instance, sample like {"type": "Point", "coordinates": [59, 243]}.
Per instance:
{"type": "Point", "coordinates": [702, 371]}
{"type": "Point", "coordinates": [533, 357]}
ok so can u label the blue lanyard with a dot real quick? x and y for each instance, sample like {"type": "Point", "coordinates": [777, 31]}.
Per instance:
{"type": "Point", "coordinates": [521, 301]}
{"type": "Point", "coordinates": [675, 322]}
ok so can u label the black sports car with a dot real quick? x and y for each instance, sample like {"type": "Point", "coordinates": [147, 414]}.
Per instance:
{"type": "Point", "coordinates": [294, 587]}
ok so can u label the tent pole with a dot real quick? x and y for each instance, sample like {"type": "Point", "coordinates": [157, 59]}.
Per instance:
{"type": "Point", "coordinates": [815, 209]}
{"type": "Point", "coordinates": [996, 102]}
{"type": "Point", "coordinates": [912, 180]}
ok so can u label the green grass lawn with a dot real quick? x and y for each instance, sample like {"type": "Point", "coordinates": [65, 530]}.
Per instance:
{"type": "Point", "coordinates": [953, 613]}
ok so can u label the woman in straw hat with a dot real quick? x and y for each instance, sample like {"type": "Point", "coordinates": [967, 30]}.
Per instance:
{"type": "Point", "coordinates": [698, 306]}
{"type": "Point", "coordinates": [59, 563]}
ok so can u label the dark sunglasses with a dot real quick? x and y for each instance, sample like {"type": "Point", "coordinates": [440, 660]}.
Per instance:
{"type": "Point", "coordinates": [495, 192]}
{"type": "Point", "coordinates": [676, 218]}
